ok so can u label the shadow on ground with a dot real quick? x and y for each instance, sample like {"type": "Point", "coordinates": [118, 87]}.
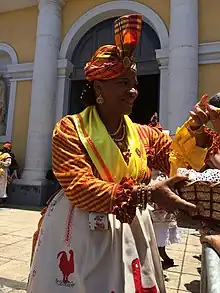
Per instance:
{"type": "Point", "coordinates": [12, 284]}
{"type": "Point", "coordinates": [193, 286]}
{"type": "Point", "coordinates": [24, 208]}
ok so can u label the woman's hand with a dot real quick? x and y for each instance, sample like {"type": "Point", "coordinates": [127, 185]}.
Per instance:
{"type": "Point", "coordinates": [162, 193]}
{"type": "Point", "coordinates": [213, 240]}
{"type": "Point", "coordinates": [199, 115]}
{"type": "Point", "coordinates": [214, 116]}
{"type": "Point", "coordinates": [214, 161]}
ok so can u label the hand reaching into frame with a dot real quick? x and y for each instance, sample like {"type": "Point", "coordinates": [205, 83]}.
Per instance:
{"type": "Point", "coordinates": [163, 194]}
{"type": "Point", "coordinates": [199, 116]}
{"type": "Point", "coordinates": [204, 112]}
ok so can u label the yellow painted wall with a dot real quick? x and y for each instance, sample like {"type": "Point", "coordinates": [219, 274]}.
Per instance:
{"type": "Point", "coordinates": [209, 79]}
{"type": "Point", "coordinates": [209, 29]}
{"type": "Point", "coordinates": [18, 29]}
{"type": "Point", "coordinates": [20, 122]}
{"type": "Point", "coordinates": [74, 9]}
{"type": "Point", "coordinates": [161, 7]}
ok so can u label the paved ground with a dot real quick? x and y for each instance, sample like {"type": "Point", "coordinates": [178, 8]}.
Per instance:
{"type": "Point", "coordinates": [185, 276]}
{"type": "Point", "coordinates": [17, 227]}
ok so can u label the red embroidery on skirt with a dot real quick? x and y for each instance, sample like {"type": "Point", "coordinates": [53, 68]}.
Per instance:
{"type": "Point", "coordinates": [69, 226]}
{"type": "Point", "coordinates": [66, 266]}
{"type": "Point", "coordinates": [136, 270]}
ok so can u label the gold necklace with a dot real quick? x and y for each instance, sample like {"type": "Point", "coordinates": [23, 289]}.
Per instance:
{"type": "Point", "coordinates": [123, 145]}
{"type": "Point", "coordinates": [118, 129]}
{"type": "Point", "coordinates": [120, 139]}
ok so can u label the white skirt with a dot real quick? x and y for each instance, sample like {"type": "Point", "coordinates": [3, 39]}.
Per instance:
{"type": "Point", "coordinates": [165, 227]}
{"type": "Point", "coordinates": [166, 234]}
{"type": "Point", "coordinates": [3, 184]}
{"type": "Point", "coordinates": [70, 257]}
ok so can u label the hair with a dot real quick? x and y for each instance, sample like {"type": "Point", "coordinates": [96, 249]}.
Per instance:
{"type": "Point", "coordinates": [88, 96]}
{"type": "Point", "coordinates": [4, 149]}
{"type": "Point", "coordinates": [215, 100]}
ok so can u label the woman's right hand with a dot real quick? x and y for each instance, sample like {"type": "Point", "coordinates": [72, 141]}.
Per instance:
{"type": "Point", "coordinates": [162, 193]}
{"type": "Point", "coordinates": [199, 116]}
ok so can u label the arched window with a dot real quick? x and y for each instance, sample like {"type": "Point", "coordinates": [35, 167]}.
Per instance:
{"type": "Point", "coordinates": [7, 91]}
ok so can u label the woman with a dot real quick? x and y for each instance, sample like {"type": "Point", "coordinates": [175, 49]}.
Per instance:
{"type": "Point", "coordinates": [165, 226]}
{"type": "Point", "coordinates": [5, 162]}
{"type": "Point", "coordinates": [212, 161]}
{"type": "Point", "coordinates": [13, 170]}
{"type": "Point", "coordinates": [96, 235]}
{"type": "Point", "coordinates": [213, 108]}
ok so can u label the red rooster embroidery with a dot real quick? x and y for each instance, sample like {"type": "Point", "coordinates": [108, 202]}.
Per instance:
{"type": "Point", "coordinates": [66, 266]}
{"type": "Point", "coordinates": [136, 270]}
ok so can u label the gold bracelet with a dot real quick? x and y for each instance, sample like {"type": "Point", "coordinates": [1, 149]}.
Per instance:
{"type": "Point", "coordinates": [149, 194]}
{"type": "Point", "coordinates": [143, 195]}
{"type": "Point", "coordinates": [200, 130]}
{"type": "Point", "coordinates": [140, 196]}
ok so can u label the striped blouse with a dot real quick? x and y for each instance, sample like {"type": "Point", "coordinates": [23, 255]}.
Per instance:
{"type": "Point", "coordinates": [77, 174]}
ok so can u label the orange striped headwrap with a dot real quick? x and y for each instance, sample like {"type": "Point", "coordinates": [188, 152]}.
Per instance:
{"type": "Point", "coordinates": [110, 61]}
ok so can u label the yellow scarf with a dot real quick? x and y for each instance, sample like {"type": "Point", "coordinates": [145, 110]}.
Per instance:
{"type": "Point", "coordinates": [103, 151]}
{"type": "Point", "coordinates": [184, 152]}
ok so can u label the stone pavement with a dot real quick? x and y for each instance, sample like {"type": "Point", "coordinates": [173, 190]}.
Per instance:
{"type": "Point", "coordinates": [16, 230]}
{"type": "Point", "coordinates": [185, 275]}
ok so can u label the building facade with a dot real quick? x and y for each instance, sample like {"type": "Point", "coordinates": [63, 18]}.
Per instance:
{"type": "Point", "coordinates": [44, 45]}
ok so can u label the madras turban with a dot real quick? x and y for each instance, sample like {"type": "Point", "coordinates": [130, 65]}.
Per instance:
{"type": "Point", "coordinates": [110, 61]}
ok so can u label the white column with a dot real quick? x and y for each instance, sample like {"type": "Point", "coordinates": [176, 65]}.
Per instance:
{"type": "Point", "coordinates": [65, 68]}
{"type": "Point", "coordinates": [162, 59]}
{"type": "Point", "coordinates": [183, 60]}
{"type": "Point", "coordinates": [43, 97]}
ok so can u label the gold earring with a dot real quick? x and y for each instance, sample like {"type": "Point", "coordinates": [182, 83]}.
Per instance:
{"type": "Point", "coordinates": [99, 100]}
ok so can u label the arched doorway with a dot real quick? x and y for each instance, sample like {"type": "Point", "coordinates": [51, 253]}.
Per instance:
{"type": "Point", "coordinates": [8, 57]}
{"type": "Point", "coordinates": [148, 69]}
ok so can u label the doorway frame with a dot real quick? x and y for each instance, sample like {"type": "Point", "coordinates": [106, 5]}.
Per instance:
{"type": "Point", "coordinates": [90, 19]}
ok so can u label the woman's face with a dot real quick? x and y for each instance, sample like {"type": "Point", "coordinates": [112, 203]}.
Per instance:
{"type": "Point", "coordinates": [119, 94]}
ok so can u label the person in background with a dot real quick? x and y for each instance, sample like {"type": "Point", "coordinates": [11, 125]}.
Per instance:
{"type": "Point", "coordinates": [214, 111]}
{"type": "Point", "coordinates": [215, 100]}
{"type": "Point", "coordinates": [164, 234]}
{"type": "Point", "coordinates": [13, 170]}
{"type": "Point", "coordinates": [165, 225]}
{"type": "Point", "coordinates": [5, 162]}
{"type": "Point", "coordinates": [213, 108]}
